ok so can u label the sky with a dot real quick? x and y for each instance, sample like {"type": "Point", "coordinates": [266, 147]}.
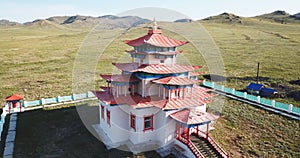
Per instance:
{"type": "Point", "coordinates": [29, 10]}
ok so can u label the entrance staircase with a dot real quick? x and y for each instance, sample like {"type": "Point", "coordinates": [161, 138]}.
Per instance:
{"type": "Point", "coordinates": [206, 149]}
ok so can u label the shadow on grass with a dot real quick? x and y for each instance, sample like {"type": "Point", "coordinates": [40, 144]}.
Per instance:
{"type": "Point", "coordinates": [60, 133]}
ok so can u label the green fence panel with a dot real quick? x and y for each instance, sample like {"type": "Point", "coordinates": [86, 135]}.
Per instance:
{"type": "Point", "coordinates": [296, 110]}
{"type": "Point", "coordinates": [239, 94]}
{"type": "Point", "coordinates": [282, 106]}
{"type": "Point", "coordinates": [80, 96]}
{"type": "Point", "coordinates": [218, 87]}
{"type": "Point", "coordinates": [50, 100]}
{"type": "Point", "coordinates": [34, 103]}
{"type": "Point", "coordinates": [228, 90]}
{"type": "Point", "coordinates": [66, 98]}
{"type": "Point", "coordinates": [251, 97]}
{"type": "Point", "coordinates": [266, 101]}
{"type": "Point", "coordinates": [208, 84]}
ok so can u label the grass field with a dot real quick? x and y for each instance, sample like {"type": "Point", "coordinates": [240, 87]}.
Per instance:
{"type": "Point", "coordinates": [38, 63]}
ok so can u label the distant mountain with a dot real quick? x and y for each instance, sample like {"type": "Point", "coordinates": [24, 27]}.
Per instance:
{"type": "Point", "coordinates": [225, 18]}
{"type": "Point", "coordinates": [79, 21]}
{"type": "Point", "coordinates": [280, 17]}
{"type": "Point", "coordinates": [5, 22]}
{"type": "Point", "coordinates": [183, 20]}
{"type": "Point", "coordinates": [297, 15]}
{"type": "Point", "coordinates": [43, 24]}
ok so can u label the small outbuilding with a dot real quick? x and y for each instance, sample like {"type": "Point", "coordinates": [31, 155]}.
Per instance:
{"type": "Point", "coordinates": [254, 88]}
{"type": "Point", "coordinates": [14, 102]}
{"type": "Point", "coordinates": [267, 92]}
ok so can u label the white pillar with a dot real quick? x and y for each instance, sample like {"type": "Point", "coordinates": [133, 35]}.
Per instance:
{"type": "Point", "coordinates": [273, 103]}
{"type": "Point", "coordinates": [204, 82]}
{"type": "Point", "coordinates": [258, 99]}
{"type": "Point", "coordinates": [58, 99]}
{"type": "Point", "coordinates": [158, 90]}
{"type": "Point", "coordinates": [245, 94]}
{"type": "Point", "coordinates": [290, 107]}
{"type": "Point", "coordinates": [213, 85]}
{"type": "Point", "coordinates": [222, 88]}
{"type": "Point", "coordinates": [43, 101]}
{"type": "Point", "coordinates": [164, 93]}
{"type": "Point", "coordinates": [232, 91]}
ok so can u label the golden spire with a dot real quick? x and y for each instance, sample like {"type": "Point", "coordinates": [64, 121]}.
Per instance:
{"type": "Point", "coordinates": [154, 24]}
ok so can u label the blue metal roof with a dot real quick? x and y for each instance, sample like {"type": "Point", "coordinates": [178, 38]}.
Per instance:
{"type": "Point", "coordinates": [268, 90]}
{"type": "Point", "coordinates": [255, 86]}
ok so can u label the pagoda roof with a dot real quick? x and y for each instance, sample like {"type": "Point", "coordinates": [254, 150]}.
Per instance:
{"type": "Point", "coordinates": [14, 97]}
{"type": "Point", "coordinates": [119, 78]}
{"type": "Point", "coordinates": [155, 68]}
{"type": "Point", "coordinates": [198, 97]}
{"type": "Point", "coordinates": [161, 53]}
{"type": "Point", "coordinates": [156, 38]}
{"type": "Point", "coordinates": [193, 116]}
{"type": "Point", "coordinates": [175, 81]}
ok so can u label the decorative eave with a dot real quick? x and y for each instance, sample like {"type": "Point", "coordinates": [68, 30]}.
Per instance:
{"type": "Point", "coordinates": [161, 53]}
{"type": "Point", "coordinates": [155, 68]}
{"type": "Point", "coordinates": [155, 38]}
{"type": "Point", "coordinates": [14, 97]}
{"type": "Point", "coordinates": [119, 78]}
{"type": "Point", "coordinates": [193, 117]}
{"type": "Point", "coordinates": [175, 81]}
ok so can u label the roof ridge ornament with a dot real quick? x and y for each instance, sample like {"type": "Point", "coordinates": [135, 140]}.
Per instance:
{"type": "Point", "coordinates": [154, 24]}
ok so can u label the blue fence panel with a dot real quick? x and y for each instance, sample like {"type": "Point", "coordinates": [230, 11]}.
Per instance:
{"type": "Point", "coordinates": [251, 97]}
{"type": "Point", "coordinates": [228, 90]}
{"type": "Point", "coordinates": [50, 100]}
{"type": "Point", "coordinates": [282, 106]}
{"type": "Point", "coordinates": [296, 110]}
{"type": "Point", "coordinates": [34, 103]}
{"type": "Point", "coordinates": [266, 101]}
{"type": "Point", "coordinates": [239, 94]}
{"type": "Point", "coordinates": [66, 98]}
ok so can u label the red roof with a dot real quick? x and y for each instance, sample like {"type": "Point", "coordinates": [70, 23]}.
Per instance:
{"type": "Point", "coordinates": [192, 116]}
{"type": "Point", "coordinates": [14, 97]}
{"type": "Point", "coordinates": [161, 53]}
{"type": "Point", "coordinates": [119, 78]}
{"type": "Point", "coordinates": [199, 97]}
{"type": "Point", "coordinates": [155, 38]}
{"type": "Point", "coordinates": [196, 73]}
{"type": "Point", "coordinates": [175, 81]}
{"type": "Point", "coordinates": [155, 68]}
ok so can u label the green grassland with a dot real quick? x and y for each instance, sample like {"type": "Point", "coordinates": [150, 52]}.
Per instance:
{"type": "Point", "coordinates": [38, 63]}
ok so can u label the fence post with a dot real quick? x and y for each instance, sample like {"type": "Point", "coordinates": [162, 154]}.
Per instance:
{"type": "Point", "coordinates": [87, 94]}
{"type": "Point", "coordinates": [290, 107]}
{"type": "Point", "coordinates": [212, 84]}
{"type": "Point", "coordinates": [42, 101]}
{"type": "Point", "coordinates": [273, 103]}
{"type": "Point", "coordinates": [73, 97]}
{"type": "Point", "coordinates": [232, 91]}
{"type": "Point", "coordinates": [245, 94]}
{"type": "Point", "coordinates": [204, 82]}
{"type": "Point", "coordinates": [25, 103]}
{"type": "Point", "coordinates": [58, 99]}
{"type": "Point", "coordinates": [258, 99]}
{"type": "Point", "coordinates": [222, 88]}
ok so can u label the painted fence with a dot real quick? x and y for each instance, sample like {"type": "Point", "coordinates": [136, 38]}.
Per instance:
{"type": "Point", "coordinates": [267, 102]}
{"type": "Point", "coordinates": [47, 101]}
{"type": "Point", "coordinates": [58, 99]}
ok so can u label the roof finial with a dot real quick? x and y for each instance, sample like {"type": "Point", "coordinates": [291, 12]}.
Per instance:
{"type": "Point", "coordinates": [154, 24]}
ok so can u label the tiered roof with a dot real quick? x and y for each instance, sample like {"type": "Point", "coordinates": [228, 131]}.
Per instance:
{"type": "Point", "coordinates": [120, 78]}
{"type": "Point", "coordinates": [175, 81]}
{"type": "Point", "coordinates": [156, 38]}
{"type": "Point", "coordinates": [198, 97]}
{"type": "Point", "coordinates": [192, 116]}
{"type": "Point", "coordinates": [155, 68]}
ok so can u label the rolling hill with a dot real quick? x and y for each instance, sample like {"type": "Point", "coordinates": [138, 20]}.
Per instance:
{"type": "Point", "coordinates": [280, 17]}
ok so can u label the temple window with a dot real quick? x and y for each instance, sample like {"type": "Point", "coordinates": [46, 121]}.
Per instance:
{"type": "Point", "coordinates": [133, 121]}
{"type": "Point", "coordinates": [148, 123]}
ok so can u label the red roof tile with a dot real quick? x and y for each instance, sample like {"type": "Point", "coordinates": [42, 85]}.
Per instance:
{"type": "Point", "coordinates": [155, 38]}
{"type": "Point", "coordinates": [155, 68]}
{"type": "Point", "coordinates": [161, 53]}
{"type": "Point", "coordinates": [14, 97]}
{"type": "Point", "coordinates": [175, 81]}
{"type": "Point", "coordinates": [192, 116]}
{"type": "Point", "coordinates": [119, 78]}
{"type": "Point", "coordinates": [199, 97]}
{"type": "Point", "coordinates": [196, 73]}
